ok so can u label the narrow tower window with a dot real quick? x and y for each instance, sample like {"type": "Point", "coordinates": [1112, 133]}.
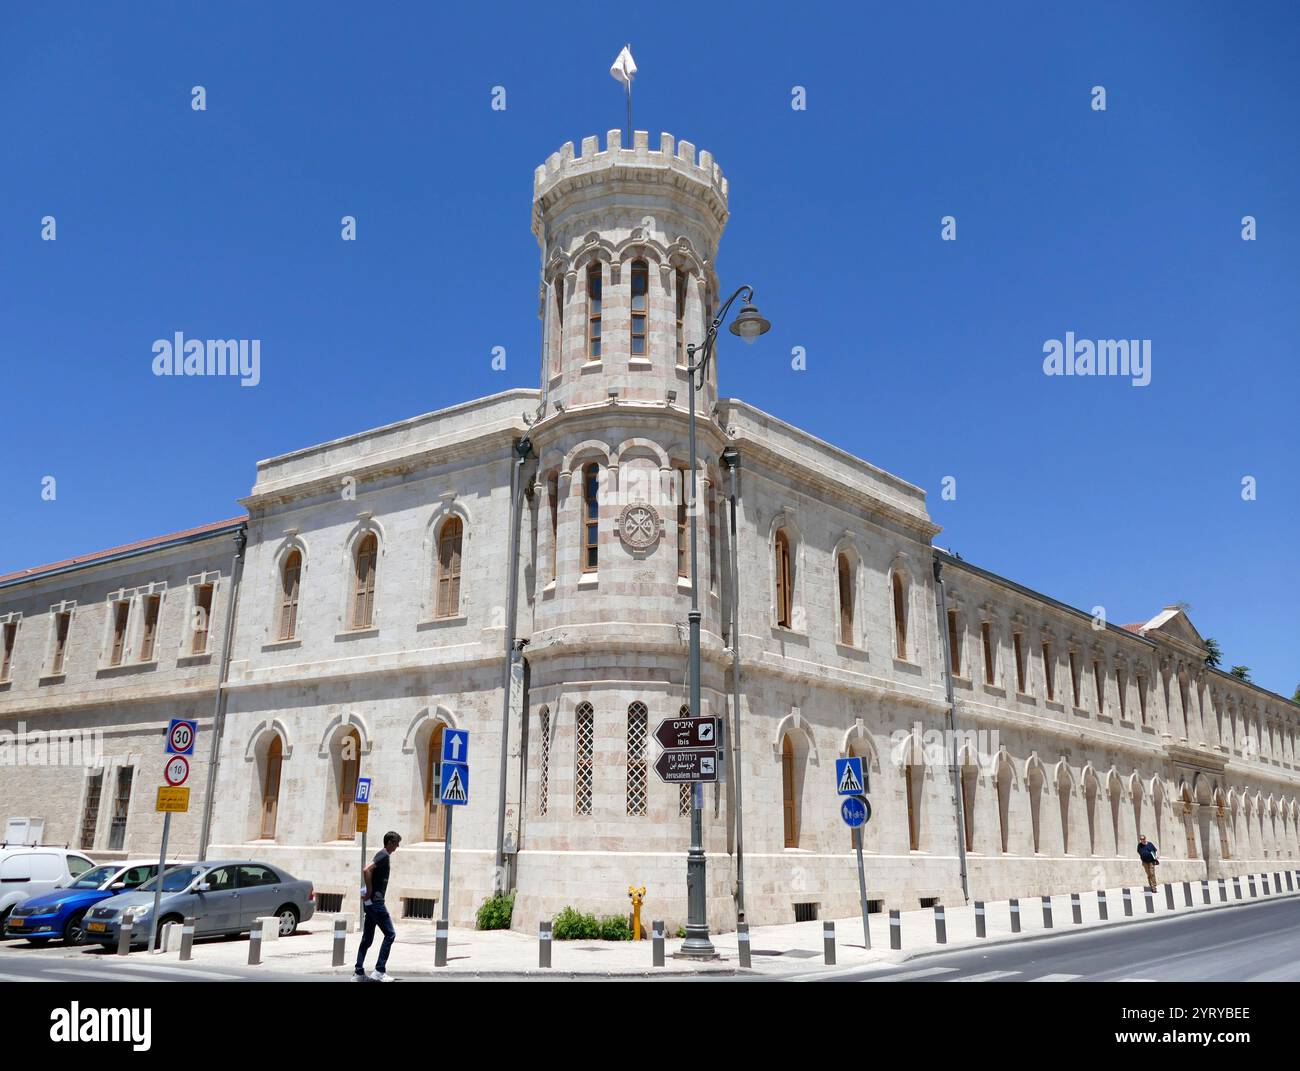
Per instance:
{"type": "Point", "coordinates": [591, 517]}
{"type": "Point", "coordinates": [680, 290]}
{"type": "Point", "coordinates": [640, 296]}
{"type": "Point", "coordinates": [593, 312]}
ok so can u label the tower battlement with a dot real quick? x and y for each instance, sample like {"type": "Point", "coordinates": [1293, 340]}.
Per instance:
{"type": "Point", "coordinates": [675, 157]}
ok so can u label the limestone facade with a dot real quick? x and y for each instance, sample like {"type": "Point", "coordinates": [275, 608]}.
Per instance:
{"type": "Point", "coordinates": [372, 612]}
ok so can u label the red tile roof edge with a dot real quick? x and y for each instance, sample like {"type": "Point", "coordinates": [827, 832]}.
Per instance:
{"type": "Point", "coordinates": [125, 548]}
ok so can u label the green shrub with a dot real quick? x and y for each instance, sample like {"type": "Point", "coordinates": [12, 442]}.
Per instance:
{"type": "Point", "coordinates": [681, 931]}
{"type": "Point", "coordinates": [494, 913]}
{"type": "Point", "coordinates": [615, 928]}
{"type": "Point", "coordinates": [571, 925]}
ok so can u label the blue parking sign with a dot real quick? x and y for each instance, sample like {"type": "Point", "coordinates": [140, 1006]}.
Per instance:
{"type": "Point", "coordinates": [455, 745]}
{"type": "Point", "coordinates": [363, 790]}
{"type": "Point", "coordinates": [848, 777]}
{"type": "Point", "coordinates": [454, 789]}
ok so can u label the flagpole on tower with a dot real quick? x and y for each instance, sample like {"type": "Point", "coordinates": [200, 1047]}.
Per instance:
{"type": "Point", "coordinates": [623, 70]}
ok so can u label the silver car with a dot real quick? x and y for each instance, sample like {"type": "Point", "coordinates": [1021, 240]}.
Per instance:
{"type": "Point", "coordinates": [223, 896]}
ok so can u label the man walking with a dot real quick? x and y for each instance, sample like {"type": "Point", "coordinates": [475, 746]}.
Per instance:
{"type": "Point", "coordinates": [376, 878]}
{"type": "Point", "coordinates": [1147, 853]}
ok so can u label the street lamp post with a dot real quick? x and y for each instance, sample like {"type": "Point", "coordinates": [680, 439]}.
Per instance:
{"type": "Point", "coordinates": [748, 325]}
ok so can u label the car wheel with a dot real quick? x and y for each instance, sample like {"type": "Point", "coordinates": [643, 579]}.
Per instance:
{"type": "Point", "coordinates": [74, 933]}
{"type": "Point", "coordinates": [288, 920]}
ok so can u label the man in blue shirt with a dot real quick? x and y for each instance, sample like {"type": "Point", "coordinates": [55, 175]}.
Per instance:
{"type": "Point", "coordinates": [376, 878]}
{"type": "Point", "coordinates": [1147, 853]}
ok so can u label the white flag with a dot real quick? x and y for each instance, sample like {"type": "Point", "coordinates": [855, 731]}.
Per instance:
{"type": "Point", "coordinates": [624, 68]}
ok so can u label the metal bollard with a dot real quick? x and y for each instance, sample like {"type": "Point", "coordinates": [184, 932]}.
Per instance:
{"type": "Point", "coordinates": [1251, 879]}
{"type": "Point", "coordinates": [1076, 908]}
{"type": "Point", "coordinates": [124, 934]}
{"type": "Point", "coordinates": [1128, 902]}
{"type": "Point", "coordinates": [544, 944]}
{"type": "Point", "coordinates": [828, 943]}
{"type": "Point", "coordinates": [1151, 900]}
{"type": "Point", "coordinates": [1187, 894]}
{"type": "Point", "coordinates": [742, 943]}
{"type": "Point", "coordinates": [979, 919]}
{"type": "Point", "coordinates": [340, 942]}
{"type": "Point", "coordinates": [895, 931]}
{"type": "Point", "coordinates": [440, 944]}
{"type": "Point", "coordinates": [1236, 886]}
{"type": "Point", "coordinates": [255, 946]}
{"type": "Point", "coordinates": [1205, 891]}
{"type": "Point", "coordinates": [1223, 891]}
{"type": "Point", "coordinates": [657, 942]}
{"type": "Point", "coordinates": [1103, 912]}
{"type": "Point", "coordinates": [1169, 895]}
{"type": "Point", "coordinates": [940, 925]}
{"type": "Point", "coordinates": [187, 938]}
{"type": "Point", "coordinates": [1015, 916]}
{"type": "Point", "coordinates": [1047, 912]}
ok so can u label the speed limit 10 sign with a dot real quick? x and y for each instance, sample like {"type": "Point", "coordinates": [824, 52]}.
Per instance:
{"type": "Point", "coordinates": [180, 736]}
{"type": "Point", "coordinates": [177, 770]}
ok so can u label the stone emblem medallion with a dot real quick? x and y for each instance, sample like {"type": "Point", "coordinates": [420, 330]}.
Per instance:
{"type": "Point", "coordinates": [638, 526]}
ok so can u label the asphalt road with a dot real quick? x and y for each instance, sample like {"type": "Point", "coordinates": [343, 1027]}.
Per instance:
{"type": "Point", "coordinates": [1247, 943]}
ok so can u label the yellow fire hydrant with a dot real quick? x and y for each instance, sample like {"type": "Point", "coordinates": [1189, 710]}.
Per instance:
{"type": "Point", "coordinates": [637, 896]}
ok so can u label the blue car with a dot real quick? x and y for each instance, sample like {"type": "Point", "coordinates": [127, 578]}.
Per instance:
{"type": "Point", "coordinates": [59, 913]}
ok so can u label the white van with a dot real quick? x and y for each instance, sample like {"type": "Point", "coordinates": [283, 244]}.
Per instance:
{"type": "Point", "coordinates": [29, 871]}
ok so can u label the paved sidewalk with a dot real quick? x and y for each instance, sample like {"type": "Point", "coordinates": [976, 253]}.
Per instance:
{"type": "Point", "coordinates": [784, 951]}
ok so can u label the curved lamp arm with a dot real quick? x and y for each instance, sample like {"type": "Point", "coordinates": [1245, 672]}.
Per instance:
{"type": "Point", "coordinates": [699, 367]}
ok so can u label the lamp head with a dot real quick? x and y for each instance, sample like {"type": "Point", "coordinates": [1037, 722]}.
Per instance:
{"type": "Point", "coordinates": [748, 324]}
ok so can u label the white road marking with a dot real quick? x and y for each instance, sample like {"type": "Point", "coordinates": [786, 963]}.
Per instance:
{"type": "Point", "coordinates": [1135, 979]}
{"type": "Point", "coordinates": [22, 978]}
{"type": "Point", "coordinates": [908, 975]}
{"type": "Point", "coordinates": [146, 973]}
{"type": "Point", "coordinates": [1056, 978]}
{"type": "Point", "coordinates": [987, 976]}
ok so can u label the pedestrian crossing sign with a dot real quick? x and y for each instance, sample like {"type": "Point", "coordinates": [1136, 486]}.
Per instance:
{"type": "Point", "coordinates": [848, 777]}
{"type": "Point", "coordinates": [455, 783]}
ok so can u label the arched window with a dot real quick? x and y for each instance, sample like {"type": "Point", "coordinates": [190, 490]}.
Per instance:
{"type": "Point", "coordinates": [789, 800]}
{"type": "Point", "coordinates": [449, 545]}
{"type": "Point", "coordinates": [969, 781]}
{"type": "Point", "coordinates": [899, 587]}
{"type": "Point", "coordinates": [557, 329]}
{"type": "Point", "coordinates": [593, 312]}
{"type": "Point", "coordinates": [1063, 789]}
{"type": "Point", "coordinates": [640, 298]}
{"type": "Point", "coordinates": [553, 499]}
{"type": "Point", "coordinates": [271, 786]}
{"type": "Point", "coordinates": [435, 813]}
{"type": "Point", "coordinates": [544, 761]}
{"type": "Point", "coordinates": [1090, 788]}
{"type": "Point", "coordinates": [590, 517]}
{"type": "Point", "coordinates": [363, 581]}
{"type": "Point", "coordinates": [680, 294]}
{"type": "Point", "coordinates": [845, 572]}
{"type": "Point", "coordinates": [584, 738]}
{"type": "Point", "coordinates": [1034, 782]}
{"type": "Point", "coordinates": [637, 718]}
{"type": "Point", "coordinates": [784, 581]}
{"type": "Point", "coordinates": [914, 777]}
{"type": "Point", "coordinates": [349, 760]}
{"type": "Point", "coordinates": [1003, 782]}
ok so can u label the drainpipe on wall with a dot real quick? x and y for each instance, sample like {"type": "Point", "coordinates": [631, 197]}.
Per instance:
{"type": "Point", "coordinates": [954, 770]}
{"type": "Point", "coordinates": [219, 711]}
{"type": "Point", "coordinates": [521, 452]}
{"type": "Point", "coordinates": [731, 459]}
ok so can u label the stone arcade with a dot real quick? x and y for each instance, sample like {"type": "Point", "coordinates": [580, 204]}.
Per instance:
{"type": "Point", "coordinates": [371, 615]}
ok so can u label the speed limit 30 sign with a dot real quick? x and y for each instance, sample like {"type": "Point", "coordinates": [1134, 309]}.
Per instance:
{"type": "Point", "coordinates": [177, 770]}
{"type": "Point", "coordinates": [180, 736]}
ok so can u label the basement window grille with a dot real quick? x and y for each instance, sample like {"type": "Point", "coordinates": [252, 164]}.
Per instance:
{"type": "Point", "coordinates": [875, 907]}
{"type": "Point", "coordinates": [329, 903]}
{"type": "Point", "coordinates": [417, 907]}
{"type": "Point", "coordinates": [929, 901]}
{"type": "Point", "coordinates": [805, 912]}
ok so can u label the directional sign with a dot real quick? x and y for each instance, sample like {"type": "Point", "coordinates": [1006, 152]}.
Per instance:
{"type": "Point", "coordinates": [177, 770]}
{"type": "Point", "coordinates": [848, 777]}
{"type": "Point", "coordinates": [363, 817]}
{"type": "Point", "coordinates": [455, 783]}
{"type": "Point", "coordinates": [180, 736]}
{"type": "Point", "coordinates": [673, 733]}
{"type": "Point", "coordinates": [363, 790]}
{"type": "Point", "coordinates": [176, 800]}
{"type": "Point", "coordinates": [855, 811]}
{"type": "Point", "coordinates": [685, 766]}
{"type": "Point", "coordinates": [455, 745]}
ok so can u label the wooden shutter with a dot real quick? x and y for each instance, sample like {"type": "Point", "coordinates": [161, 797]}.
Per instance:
{"type": "Point", "coordinates": [290, 581]}
{"type": "Point", "coordinates": [151, 606]}
{"type": "Point", "coordinates": [121, 612]}
{"type": "Point", "coordinates": [846, 601]}
{"type": "Point", "coordinates": [449, 553]}
{"type": "Point", "coordinates": [787, 793]}
{"type": "Point", "coordinates": [271, 787]}
{"type": "Point", "coordinates": [349, 770]}
{"type": "Point", "coordinates": [782, 580]}
{"type": "Point", "coordinates": [363, 603]}
{"type": "Point", "coordinates": [900, 615]}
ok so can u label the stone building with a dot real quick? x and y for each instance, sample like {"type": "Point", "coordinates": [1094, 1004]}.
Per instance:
{"type": "Point", "coordinates": [373, 611]}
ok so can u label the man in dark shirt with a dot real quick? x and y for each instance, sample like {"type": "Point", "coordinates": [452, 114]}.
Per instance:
{"type": "Point", "coordinates": [376, 878]}
{"type": "Point", "coordinates": [1147, 853]}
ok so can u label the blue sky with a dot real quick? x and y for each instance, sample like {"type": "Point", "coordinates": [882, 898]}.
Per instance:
{"type": "Point", "coordinates": [924, 356]}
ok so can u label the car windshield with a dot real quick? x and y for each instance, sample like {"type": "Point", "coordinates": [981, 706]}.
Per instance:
{"type": "Point", "coordinates": [173, 880]}
{"type": "Point", "coordinates": [91, 879]}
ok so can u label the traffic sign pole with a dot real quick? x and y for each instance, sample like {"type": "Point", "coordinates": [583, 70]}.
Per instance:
{"type": "Point", "coordinates": [158, 882]}
{"type": "Point", "coordinates": [862, 888]}
{"type": "Point", "coordinates": [440, 946]}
